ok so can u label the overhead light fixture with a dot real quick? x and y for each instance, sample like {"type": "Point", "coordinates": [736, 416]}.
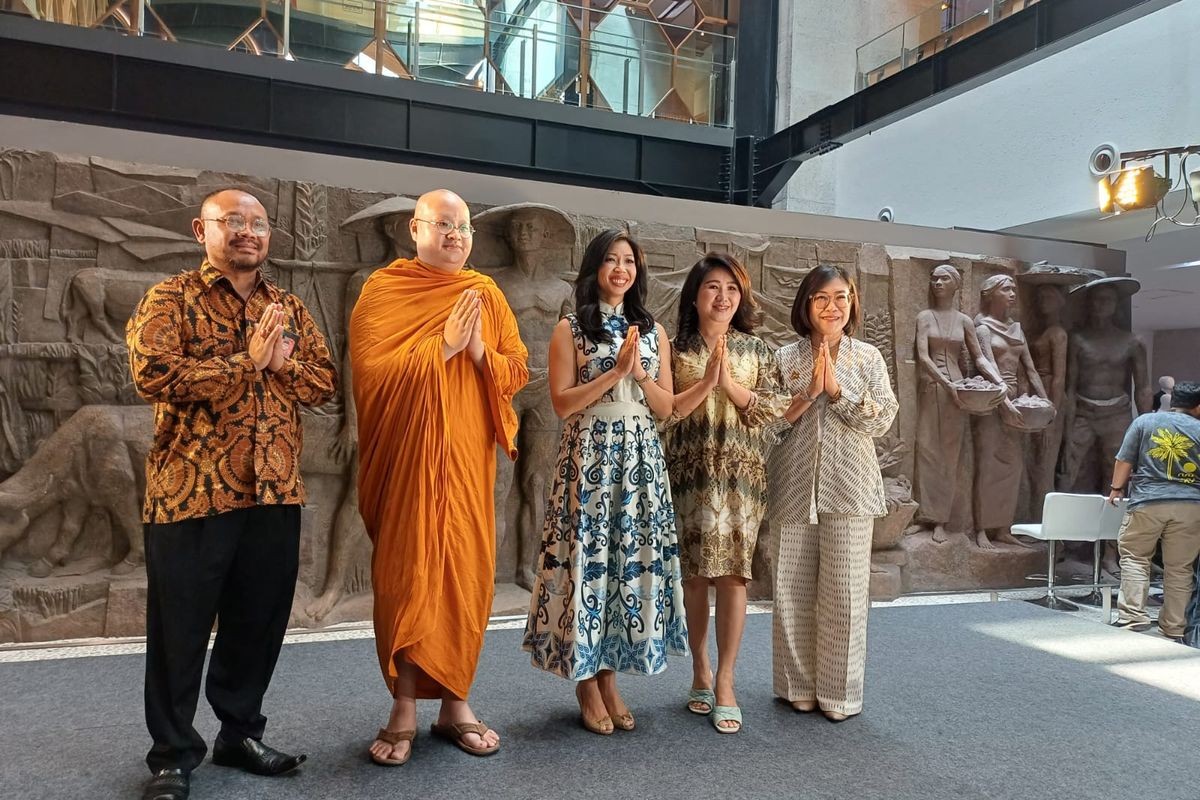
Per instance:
{"type": "Point", "coordinates": [1132, 188]}
{"type": "Point", "coordinates": [1126, 181]}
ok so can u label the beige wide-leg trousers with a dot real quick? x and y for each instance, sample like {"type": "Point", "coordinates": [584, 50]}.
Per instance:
{"type": "Point", "coordinates": [822, 595]}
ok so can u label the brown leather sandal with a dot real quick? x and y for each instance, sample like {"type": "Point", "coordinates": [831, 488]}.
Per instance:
{"type": "Point", "coordinates": [393, 738]}
{"type": "Point", "coordinates": [454, 733]}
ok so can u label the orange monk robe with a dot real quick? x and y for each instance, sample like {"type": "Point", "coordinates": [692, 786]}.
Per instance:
{"type": "Point", "coordinates": [427, 432]}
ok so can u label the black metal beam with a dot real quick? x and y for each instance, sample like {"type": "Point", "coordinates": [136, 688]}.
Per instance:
{"type": "Point", "coordinates": [1045, 24]}
{"type": "Point", "coordinates": [101, 78]}
{"type": "Point", "coordinates": [756, 82]}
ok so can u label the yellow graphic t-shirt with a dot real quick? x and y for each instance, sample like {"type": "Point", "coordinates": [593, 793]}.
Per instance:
{"type": "Point", "coordinates": [1164, 448]}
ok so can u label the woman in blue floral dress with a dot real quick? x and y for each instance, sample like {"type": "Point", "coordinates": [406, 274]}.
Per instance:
{"type": "Point", "coordinates": [607, 597]}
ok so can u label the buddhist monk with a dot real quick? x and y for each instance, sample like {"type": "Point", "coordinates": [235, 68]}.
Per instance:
{"type": "Point", "coordinates": [436, 359]}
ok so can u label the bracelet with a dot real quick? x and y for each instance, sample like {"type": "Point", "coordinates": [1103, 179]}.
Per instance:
{"type": "Point", "coordinates": [642, 380]}
{"type": "Point", "coordinates": [812, 399]}
{"type": "Point", "coordinates": [1116, 488]}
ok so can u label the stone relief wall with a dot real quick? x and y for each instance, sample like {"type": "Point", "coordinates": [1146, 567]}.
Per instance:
{"type": "Point", "coordinates": [82, 238]}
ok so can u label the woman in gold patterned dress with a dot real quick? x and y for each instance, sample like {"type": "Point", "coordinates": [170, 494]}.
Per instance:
{"type": "Point", "coordinates": [726, 380]}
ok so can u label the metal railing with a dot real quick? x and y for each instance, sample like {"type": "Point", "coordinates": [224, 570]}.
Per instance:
{"type": "Point", "coordinates": [931, 31]}
{"type": "Point", "coordinates": [620, 59]}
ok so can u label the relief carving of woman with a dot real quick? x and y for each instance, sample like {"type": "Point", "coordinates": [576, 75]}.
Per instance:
{"type": "Point", "coordinates": [998, 445]}
{"type": "Point", "coordinates": [942, 332]}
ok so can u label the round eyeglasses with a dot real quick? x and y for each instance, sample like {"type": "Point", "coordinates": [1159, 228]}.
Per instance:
{"type": "Point", "coordinates": [821, 301]}
{"type": "Point", "coordinates": [237, 223]}
{"type": "Point", "coordinates": [446, 228]}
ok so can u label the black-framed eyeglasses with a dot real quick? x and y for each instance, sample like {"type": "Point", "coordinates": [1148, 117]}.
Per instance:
{"type": "Point", "coordinates": [445, 228]}
{"type": "Point", "coordinates": [237, 224]}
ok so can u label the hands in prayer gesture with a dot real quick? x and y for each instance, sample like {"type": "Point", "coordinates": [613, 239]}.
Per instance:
{"type": "Point", "coordinates": [475, 343]}
{"type": "Point", "coordinates": [716, 372]}
{"type": "Point", "coordinates": [831, 384]}
{"type": "Point", "coordinates": [629, 355]}
{"type": "Point", "coordinates": [266, 338]}
{"type": "Point", "coordinates": [463, 323]}
{"type": "Point", "coordinates": [824, 378]}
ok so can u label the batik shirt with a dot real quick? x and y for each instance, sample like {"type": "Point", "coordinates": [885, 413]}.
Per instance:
{"type": "Point", "coordinates": [225, 435]}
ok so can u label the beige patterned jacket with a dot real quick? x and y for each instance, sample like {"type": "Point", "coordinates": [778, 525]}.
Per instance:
{"type": "Point", "coordinates": [825, 463]}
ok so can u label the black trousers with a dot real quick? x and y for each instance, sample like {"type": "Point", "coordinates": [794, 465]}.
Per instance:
{"type": "Point", "coordinates": [239, 569]}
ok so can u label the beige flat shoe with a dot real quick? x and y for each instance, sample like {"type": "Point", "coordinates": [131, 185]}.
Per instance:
{"type": "Point", "coordinates": [804, 706]}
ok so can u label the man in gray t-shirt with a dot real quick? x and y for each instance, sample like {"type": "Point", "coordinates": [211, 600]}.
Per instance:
{"type": "Point", "coordinates": [1161, 453]}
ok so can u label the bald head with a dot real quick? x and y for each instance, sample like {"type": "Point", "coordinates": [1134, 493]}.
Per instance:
{"type": "Point", "coordinates": [234, 229]}
{"type": "Point", "coordinates": [444, 251]}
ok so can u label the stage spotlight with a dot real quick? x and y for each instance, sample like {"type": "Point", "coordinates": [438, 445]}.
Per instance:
{"type": "Point", "coordinates": [1132, 188]}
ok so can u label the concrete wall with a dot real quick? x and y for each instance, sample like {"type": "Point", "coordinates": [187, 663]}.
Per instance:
{"type": "Point", "coordinates": [1006, 152]}
{"type": "Point", "coordinates": [817, 44]}
{"type": "Point", "coordinates": [1176, 354]}
{"type": "Point", "coordinates": [1015, 149]}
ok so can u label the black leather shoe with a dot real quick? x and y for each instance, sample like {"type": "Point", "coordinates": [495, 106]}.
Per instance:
{"type": "Point", "coordinates": [168, 784]}
{"type": "Point", "coordinates": [253, 756]}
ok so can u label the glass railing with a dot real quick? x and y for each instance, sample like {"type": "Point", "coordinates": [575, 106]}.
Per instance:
{"type": "Point", "coordinates": [617, 58]}
{"type": "Point", "coordinates": [929, 32]}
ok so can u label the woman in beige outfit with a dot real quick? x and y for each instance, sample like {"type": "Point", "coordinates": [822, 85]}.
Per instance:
{"type": "Point", "coordinates": [825, 489]}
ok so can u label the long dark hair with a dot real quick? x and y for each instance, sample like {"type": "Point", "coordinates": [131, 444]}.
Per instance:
{"type": "Point", "coordinates": [815, 281]}
{"type": "Point", "coordinates": [587, 287]}
{"type": "Point", "coordinates": [745, 319]}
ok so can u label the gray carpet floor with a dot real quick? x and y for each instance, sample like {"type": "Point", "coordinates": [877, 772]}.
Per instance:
{"type": "Point", "coordinates": [952, 711]}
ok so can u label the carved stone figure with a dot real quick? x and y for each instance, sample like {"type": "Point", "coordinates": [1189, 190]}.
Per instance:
{"type": "Point", "coordinates": [348, 541]}
{"type": "Point", "coordinates": [99, 295]}
{"type": "Point", "coordinates": [93, 461]}
{"type": "Point", "coordinates": [541, 240]}
{"type": "Point", "coordinates": [942, 334]}
{"type": "Point", "coordinates": [390, 217]}
{"type": "Point", "coordinates": [1049, 351]}
{"type": "Point", "coordinates": [80, 239]}
{"type": "Point", "coordinates": [998, 445]}
{"type": "Point", "coordinates": [1104, 365]}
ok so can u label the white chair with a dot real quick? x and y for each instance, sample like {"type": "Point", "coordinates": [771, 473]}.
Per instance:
{"type": "Point", "coordinates": [1073, 518]}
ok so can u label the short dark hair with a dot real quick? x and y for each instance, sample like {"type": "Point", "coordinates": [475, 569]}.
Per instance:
{"type": "Point", "coordinates": [1186, 395]}
{"type": "Point", "coordinates": [816, 280]}
{"type": "Point", "coordinates": [745, 319]}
